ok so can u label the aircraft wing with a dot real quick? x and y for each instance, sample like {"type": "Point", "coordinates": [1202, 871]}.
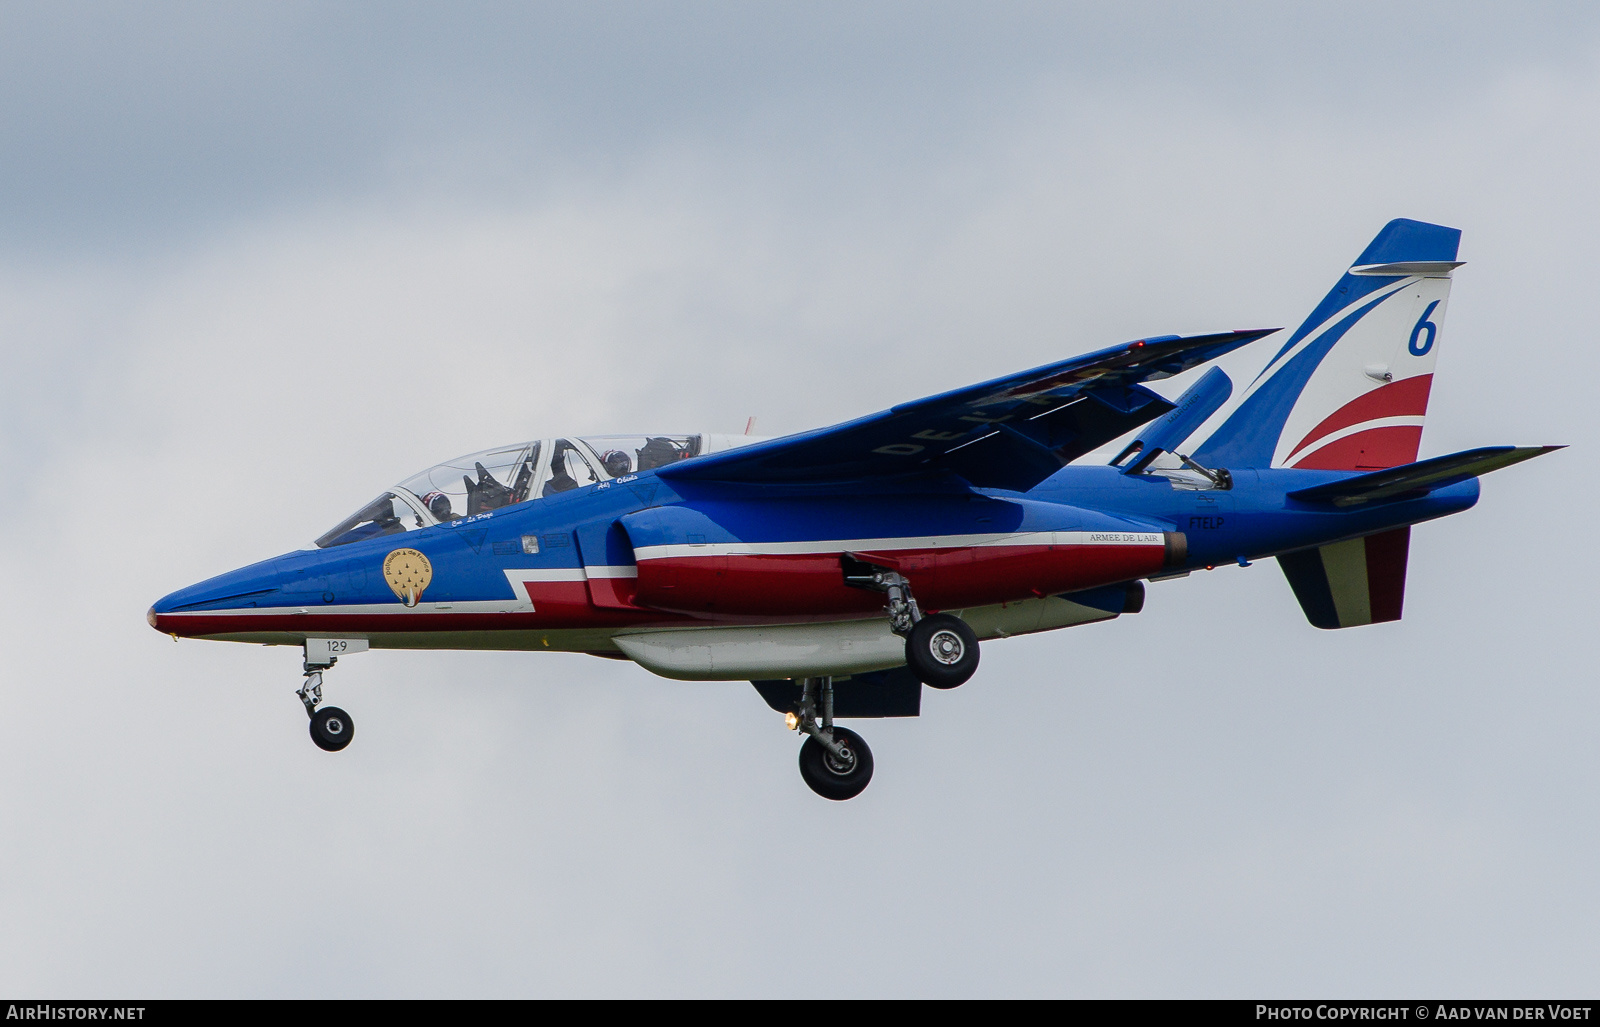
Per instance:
{"type": "Point", "coordinates": [1010, 433]}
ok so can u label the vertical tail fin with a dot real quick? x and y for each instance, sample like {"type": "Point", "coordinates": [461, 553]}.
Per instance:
{"type": "Point", "coordinates": [1349, 390]}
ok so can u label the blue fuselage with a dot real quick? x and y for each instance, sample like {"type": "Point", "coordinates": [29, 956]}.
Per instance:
{"type": "Point", "coordinates": [601, 558]}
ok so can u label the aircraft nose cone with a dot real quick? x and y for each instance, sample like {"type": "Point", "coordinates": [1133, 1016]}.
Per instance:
{"type": "Point", "coordinates": [175, 614]}
{"type": "Point", "coordinates": [158, 614]}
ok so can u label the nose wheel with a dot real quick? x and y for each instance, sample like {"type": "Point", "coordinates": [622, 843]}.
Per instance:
{"type": "Point", "coordinates": [331, 728]}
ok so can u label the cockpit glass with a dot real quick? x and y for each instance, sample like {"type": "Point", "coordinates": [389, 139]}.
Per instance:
{"type": "Point", "coordinates": [495, 478]}
{"type": "Point", "coordinates": [569, 469]}
{"type": "Point", "coordinates": [387, 515]}
{"type": "Point", "coordinates": [477, 482]}
{"type": "Point", "coordinates": [630, 454]}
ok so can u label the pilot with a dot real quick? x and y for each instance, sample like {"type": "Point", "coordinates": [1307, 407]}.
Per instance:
{"type": "Point", "coordinates": [658, 452]}
{"type": "Point", "coordinates": [561, 479]}
{"type": "Point", "coordinates": [616, 462]}
{"type": "Point", "coordinates": [439, 504]}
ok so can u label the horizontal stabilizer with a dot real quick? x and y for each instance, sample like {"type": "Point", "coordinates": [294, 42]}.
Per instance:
{"type": "Point", "coordinates": [1409, 268]}
{"type": "Point", "coordinates": [1423, 476]}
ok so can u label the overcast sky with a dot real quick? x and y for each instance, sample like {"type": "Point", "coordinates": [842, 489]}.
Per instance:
{"type": "Point", "coordinates": [258, 263]}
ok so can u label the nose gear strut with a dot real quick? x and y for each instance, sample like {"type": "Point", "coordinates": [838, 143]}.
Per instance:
{"type": "Point", "coordinates": [331, 728]}
{"type": "Point", "coordinates": [310, 693]}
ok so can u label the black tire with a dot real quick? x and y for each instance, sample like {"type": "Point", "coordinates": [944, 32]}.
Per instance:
{"type": "Point", "coordinates": [942, 651]}
{"type": "Point", "coordinates": [332, 728]}
{"type": "Point", "coordinates": [824, 773]}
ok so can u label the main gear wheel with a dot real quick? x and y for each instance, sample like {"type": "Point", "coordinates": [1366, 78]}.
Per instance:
{"type": "Point", "coordinates": [942, 650]}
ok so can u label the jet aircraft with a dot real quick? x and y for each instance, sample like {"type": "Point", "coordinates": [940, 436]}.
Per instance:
{"type": "Point", "coordinates": [842, 569]}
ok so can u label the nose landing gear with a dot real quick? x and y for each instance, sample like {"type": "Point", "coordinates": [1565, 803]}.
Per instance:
{"type": "Point", "coordinates": [834, 761]}
{"type": "Point", "coordinates": [331, 728]}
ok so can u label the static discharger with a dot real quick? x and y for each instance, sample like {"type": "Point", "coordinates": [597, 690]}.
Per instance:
{"type": "Point", "coordinates": [408, 573]}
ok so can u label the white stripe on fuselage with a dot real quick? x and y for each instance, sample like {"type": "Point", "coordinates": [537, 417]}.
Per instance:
{"type": "Point", "coordinates": [518, 577]}
{"type": "Point", "coordinates": [883, 545]}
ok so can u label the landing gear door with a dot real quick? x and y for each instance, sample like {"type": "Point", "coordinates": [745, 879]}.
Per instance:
{"type": "Point", "coordinates": [608, 565]}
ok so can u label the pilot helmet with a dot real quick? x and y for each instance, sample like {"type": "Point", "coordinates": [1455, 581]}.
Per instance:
{"type": "Point", "coordinates": [438, 503]}
{"type": "Point", "coordinates": [616, 463]}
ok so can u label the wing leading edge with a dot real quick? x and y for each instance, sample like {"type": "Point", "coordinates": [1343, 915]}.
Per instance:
{"type": "Point", "coordinates": [1010, 433]}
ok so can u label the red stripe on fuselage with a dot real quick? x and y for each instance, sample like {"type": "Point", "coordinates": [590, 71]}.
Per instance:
{"type": "Point", "coordinates": [769, 585]}
{"type": "Point", "coordinates": [550, 616]}
{"type": "Point", "coordinates": [813, 583]}
{"type": "Point", "coordinates": [612, 593]}
{"type": "Point", "coordinates": [733, 589]}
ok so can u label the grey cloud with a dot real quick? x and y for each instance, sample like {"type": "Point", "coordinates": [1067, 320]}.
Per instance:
{"type": "Point", "coordinates": [129, 126]}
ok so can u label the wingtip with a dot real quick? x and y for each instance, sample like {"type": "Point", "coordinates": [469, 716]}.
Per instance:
{"type": "Point", "coordinates": [1517, 454]}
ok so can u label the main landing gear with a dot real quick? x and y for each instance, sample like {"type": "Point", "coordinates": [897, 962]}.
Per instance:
{"type": "Point", "coordinates": [940, 649]}
{"type": "Point", "coordinates": [834, 761]}
{"type": "Point", "coordinates": [331, 728]}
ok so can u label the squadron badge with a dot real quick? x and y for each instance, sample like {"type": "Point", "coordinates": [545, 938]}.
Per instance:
{"type": "Point", "coordinates": [408, 572]}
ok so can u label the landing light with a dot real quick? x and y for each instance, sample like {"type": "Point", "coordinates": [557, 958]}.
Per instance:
{"type": "Point", "coordinates": [791, 720]}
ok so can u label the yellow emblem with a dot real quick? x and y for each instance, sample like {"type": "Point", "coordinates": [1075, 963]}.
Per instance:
{"type": "Point", "coordinates": [408, 572]}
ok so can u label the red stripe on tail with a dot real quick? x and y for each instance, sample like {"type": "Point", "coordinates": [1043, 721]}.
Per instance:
{"type": "Point", "coordinates": [1407, 398]}
{"type": "Point", "coordinates": [1372, 450]}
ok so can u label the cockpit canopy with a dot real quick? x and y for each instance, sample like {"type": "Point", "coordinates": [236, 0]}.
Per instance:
{"type": "Point", "coordinates": [494, 478]}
